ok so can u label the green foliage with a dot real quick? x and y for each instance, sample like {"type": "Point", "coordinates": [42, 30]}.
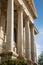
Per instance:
{"type": "Point", "coordinates": [18, 61]}
{"type": "Point", "coordinates": [40, 59]}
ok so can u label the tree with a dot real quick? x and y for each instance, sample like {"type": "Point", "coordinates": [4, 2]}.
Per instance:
{"type": "Point", "coordinates": [40, 59]}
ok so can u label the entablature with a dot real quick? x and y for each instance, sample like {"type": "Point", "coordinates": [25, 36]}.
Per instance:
{"type": "Point", "coordinates": [21, 4]}
{"type": "Point", "coordinates": [32, 8]}
{"type": "Point", "coordinates": [35, 30]}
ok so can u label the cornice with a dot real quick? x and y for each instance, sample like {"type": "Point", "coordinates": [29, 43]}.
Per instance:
{"type": "Point", "coordinates": [32, 7]}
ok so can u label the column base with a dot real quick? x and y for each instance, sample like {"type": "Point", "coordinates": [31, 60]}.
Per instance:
{"type": "Point", "coordinates": [30, 62]}
{"type": "Point", "coordinates": [35, 64]}
{"type": "Point", "coordinates": [8, 55]}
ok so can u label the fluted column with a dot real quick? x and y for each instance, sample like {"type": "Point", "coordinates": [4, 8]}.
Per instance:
{"type": "Point", "coordinates": [32, 44]}
{"type": "Point", "coordinates": [0, 22]}
{"type": "Point", "coordinates": [28, 40]}
{"type": "Point", "coordinates": [10, 25]}
{"type": "Point", "coordinates": [20, 32]}
{"type": "Point", "coordinates": [0, 11]}
{"type": "Point", "coordinates": [24, 41]}
{"type": "Point", "coordinates": [0, 7]}
{"type": "Point", "coordinates": [35, 50]}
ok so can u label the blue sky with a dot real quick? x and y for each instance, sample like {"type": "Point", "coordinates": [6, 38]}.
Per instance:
{"type": "Point", "coordinates": [39, 25]}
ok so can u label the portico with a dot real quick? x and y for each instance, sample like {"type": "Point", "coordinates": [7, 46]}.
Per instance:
{"type": "Point", "coordinates": [18, 30]}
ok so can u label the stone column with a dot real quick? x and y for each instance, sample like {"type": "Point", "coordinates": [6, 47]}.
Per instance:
{"type": "Point", "coordinates": [0, 11]}
{"type": "Point", "coordinates": [20, 32]}
{"type": "Point", "coordinates": [0, 7]}
{"type": "Point", "coordinates": [28, 40]}
{"type": "Point", "coordinates": [10, 25]}
{"type": "Point", "coordinates": [0, 22]}
{"type": "Point", "coordinates": [35, 50]}
{"type": "Point", "coordinates": [32, 43]}
{"type": "Point", "coordinates": [24, 41]}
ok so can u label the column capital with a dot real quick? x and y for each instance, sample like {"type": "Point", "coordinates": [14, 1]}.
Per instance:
{"type": "Point", "coordinates": [31, 25]}
{"type": "Point", "coordinates": [20, 8]}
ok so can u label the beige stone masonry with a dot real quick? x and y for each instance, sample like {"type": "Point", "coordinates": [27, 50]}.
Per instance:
{"type": "Point", "coordinates": [20, 32]}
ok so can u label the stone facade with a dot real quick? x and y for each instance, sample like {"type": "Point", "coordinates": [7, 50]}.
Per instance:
{"type": "Point", "coordinates": [17, 30]}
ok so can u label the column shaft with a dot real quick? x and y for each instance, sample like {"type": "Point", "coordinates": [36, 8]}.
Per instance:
{"type": "Point", "coordinates": [0, 6]}
{"type": "Point", "coordinates": [35, 51]}
{"type": "Point", "coordinates": [20, 32]}
{"type": "Point", "coordinates": [10, 25]}
{"type": "Point", "coordinates": [0, 11]}
{"type": "Point", "coordinates": [28, 43]}
{"type": "Point", "coordinates": [32, 44]}
{"type": "Point", "coordinates": [24, 41]}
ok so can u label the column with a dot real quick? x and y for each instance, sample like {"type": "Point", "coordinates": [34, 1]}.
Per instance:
{"type": "Point", "coordinates": [32, 43]}
{"type": "Point", "coordinates": [0, 10]}
{"type": "Point", "coordinates": [2, 32]}
{"type": "Point", "coordinates": [20, 32]}
{"type": "Point", "coordinates": [28, 40]}
{"type": "Point", "coordinates": [24, 41]}
{"type": "Point", "coordinates": [0, 7]}
{"type": "Point", "coordinates": [35, 50]}
{"type": "Point", "coordinates": [0, 23]}
{"type": "Point", "coordinates": [10, 25]}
